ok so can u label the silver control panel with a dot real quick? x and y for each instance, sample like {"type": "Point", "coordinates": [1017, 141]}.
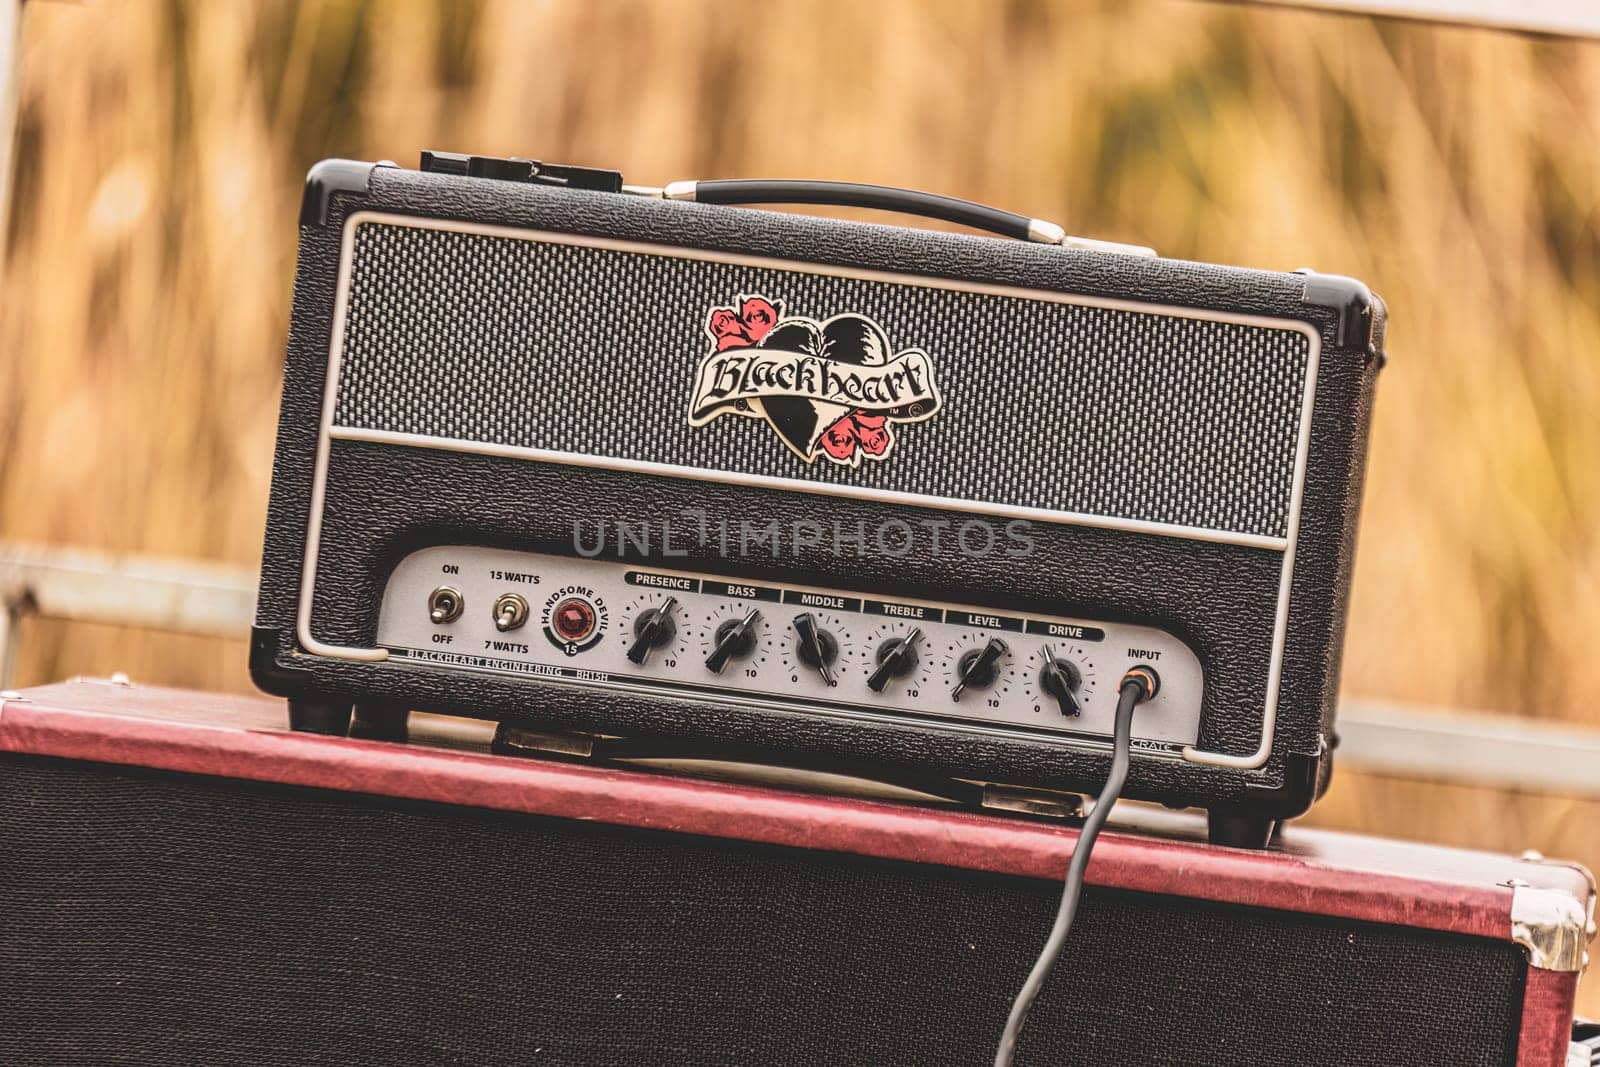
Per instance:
{"type": "Point", "coordinates": [592, 622]}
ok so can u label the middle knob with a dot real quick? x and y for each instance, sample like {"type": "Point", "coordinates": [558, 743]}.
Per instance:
{"type": "Point", "coordinates": [816, 647]}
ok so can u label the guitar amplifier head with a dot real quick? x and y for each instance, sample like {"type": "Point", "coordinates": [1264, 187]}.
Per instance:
{"type": "Point", "coordinates": [631, 466]}
{"type": "Point", "coordinates": [185, 882]}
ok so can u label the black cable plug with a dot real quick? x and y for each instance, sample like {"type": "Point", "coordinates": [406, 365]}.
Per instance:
{"type": "Point", "coordinates": [1138, 685]}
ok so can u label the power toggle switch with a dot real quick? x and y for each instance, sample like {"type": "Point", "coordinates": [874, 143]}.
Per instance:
{"type": "Point", "coordinates": [652, 629]}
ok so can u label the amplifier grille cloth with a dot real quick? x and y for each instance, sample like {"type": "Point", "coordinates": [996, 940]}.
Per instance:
{"type": "Point", "coordinates": [160, 919]}
{"type": "Point", "coordinates": [1046, 405]}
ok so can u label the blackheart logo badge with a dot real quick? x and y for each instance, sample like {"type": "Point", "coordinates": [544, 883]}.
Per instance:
{"type": "Point", "coordinates": [835, 388]}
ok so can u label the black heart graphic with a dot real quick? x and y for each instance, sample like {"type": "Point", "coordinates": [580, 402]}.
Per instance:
{"type": "Point", "coordinates": [846, 339]}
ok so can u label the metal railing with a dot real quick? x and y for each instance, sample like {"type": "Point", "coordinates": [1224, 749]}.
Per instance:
{"type": "Point", "coordinates": [189, 597]}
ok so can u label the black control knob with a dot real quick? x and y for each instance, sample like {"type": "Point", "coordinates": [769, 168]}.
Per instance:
{"type": "Point", "coordinates": [652, 629]}
{"type": "Point", "coordinates": [896, 659]}
{"type": "Point", "coordinates": [734, 639]}
{"type": "Point", "coordinates": [979, 667]}
{"type": "Point", "coordinates": [815, 646]}
{"type": "Point", "coordinates": [1061, 678]}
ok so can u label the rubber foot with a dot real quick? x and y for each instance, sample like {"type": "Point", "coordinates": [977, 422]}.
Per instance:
{"type": "Point", "coordinates": [319, 717]}
{"type": "Point", "coordinates": [380, 722]}
{"type": "Point", "coordinates": [1234, 830]}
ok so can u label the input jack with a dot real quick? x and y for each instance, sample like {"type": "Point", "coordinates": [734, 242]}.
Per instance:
{"type": "Point", "coordinates": [445, 605]}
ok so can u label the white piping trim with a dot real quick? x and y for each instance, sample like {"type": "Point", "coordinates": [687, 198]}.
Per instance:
{"type": "Point", "coordinates": [328, 432]}
{"type": "Point", "coordinates": [319, 476]}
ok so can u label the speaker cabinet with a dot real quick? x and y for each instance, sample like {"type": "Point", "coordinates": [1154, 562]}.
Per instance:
{"type": "Point", "coordinates": [184, 881]}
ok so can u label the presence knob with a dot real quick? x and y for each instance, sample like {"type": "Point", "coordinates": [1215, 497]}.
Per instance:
{"type": "Point", "coordinates": [1061, 678]}
{"type": "Point", "coordinates": [734, 639]}
{"type": "Point", "coordinates": [815, 646]}
{"type": "Point", "coordinates": [652, 629]}
{"type": "Point", "coordinates": [896, 659]}
{"type": "Point", "coordinates": [979, 667]}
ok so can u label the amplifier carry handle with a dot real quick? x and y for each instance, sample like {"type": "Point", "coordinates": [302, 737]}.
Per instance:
{"type": "Point", "coordinates": [888, 198]}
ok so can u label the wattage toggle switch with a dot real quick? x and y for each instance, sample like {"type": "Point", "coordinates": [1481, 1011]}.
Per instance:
{"type": "Point", "coordinates": [510, 612]}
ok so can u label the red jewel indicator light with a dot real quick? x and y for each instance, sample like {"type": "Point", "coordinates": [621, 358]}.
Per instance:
{"type": "Point", "coordinates": [573, 619]}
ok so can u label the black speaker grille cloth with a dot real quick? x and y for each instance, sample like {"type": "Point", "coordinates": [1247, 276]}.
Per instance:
{"type": "Point", "coordinates": [150, 919]}
{"type": "Point", "coordinates": [1046, 405]}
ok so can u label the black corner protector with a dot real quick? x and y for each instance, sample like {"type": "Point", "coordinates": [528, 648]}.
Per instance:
{"type": "Point", "coordinates": [1303, 782]}
{"type": "Point", "coordinates": [326, 178]}
{"type": "Point", "coordinates": [266, 670]}
{"type": "Point", "coordinates": [1350, 299]}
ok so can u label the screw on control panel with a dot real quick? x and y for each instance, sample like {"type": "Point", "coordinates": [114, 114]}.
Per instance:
{"type": "Point", "coordinates": [510, 611]}
{"type": "Point", "coordinates": [445, 605]}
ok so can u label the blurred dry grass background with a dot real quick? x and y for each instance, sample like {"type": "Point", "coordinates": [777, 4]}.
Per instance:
{"type": "Point", "coordinates": [147, 276]}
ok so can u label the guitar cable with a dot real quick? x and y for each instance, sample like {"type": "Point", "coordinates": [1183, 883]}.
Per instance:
{"type": "Point", "coordinates": [1137, 686]}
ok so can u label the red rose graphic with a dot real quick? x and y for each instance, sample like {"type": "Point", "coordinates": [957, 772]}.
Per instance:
{"type": "Point", "coordinates": [758, 317]}
{"type": "Point", "coordinates": [728, 330]}
{"type": "Point", "coordinates": [754, 320]}
{"type": "Point", "coordinates": [870, 433]}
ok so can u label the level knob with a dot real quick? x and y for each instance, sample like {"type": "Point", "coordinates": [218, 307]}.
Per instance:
{"type": "Point", "coordinates": [734, 639]}
{"type": "Point", "coordinates": [815, 646]}
{"type": "Point", "coordinates": [652, 629]}
{"type": "Point", "coordinates": [979, 667]}
{"type": "Point", "coordinates": [896, 658]}
{"type": "Point", "coordinates": [1061, 678]}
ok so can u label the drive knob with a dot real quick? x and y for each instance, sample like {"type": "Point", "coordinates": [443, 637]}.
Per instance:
{"type": "Point", "coordinates": [652, 629]}
{"type": "Point", "coordinates": [1061, 678]}
{"type": "Point", "coordinates": [734, 639]}
{"type": "Point", "coordinates": [815, 646]}
{"type": "Point", "coordinates": [979, 667]}
{"type": "Point", "coordinates": [896, 659]}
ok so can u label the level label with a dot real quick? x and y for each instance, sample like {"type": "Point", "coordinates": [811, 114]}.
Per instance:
{"type": "Point", "coordinates": [677, 583]}
{"type": "Point", "coordinates": [740, 591]}
{"type": "Point", "coordinates": [983, 620]}
{"type": "Point", "coordinates": [826, 601]}
{"type": "Point", "coordinates": [1067, 630]}
{"type": "Point", "coordinates": [914, 612]}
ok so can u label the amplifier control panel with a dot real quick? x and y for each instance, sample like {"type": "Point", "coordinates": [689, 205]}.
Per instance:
{"type": "Point", "coordinates": [593, 622]}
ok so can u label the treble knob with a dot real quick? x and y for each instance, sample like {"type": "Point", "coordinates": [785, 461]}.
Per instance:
{"type": "Point", "coordinates": [652, 629]}
{"type": "Point", "coordinates": [816, 647]}
{"type": "Point", "coordinates": [735, 639]}
{"type": "Point", "coordinates": [896, 659]}
{"type": "Point", "coordinates": [1061, 678]}
{"type": "Point", "coordinates": [979, 667]}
